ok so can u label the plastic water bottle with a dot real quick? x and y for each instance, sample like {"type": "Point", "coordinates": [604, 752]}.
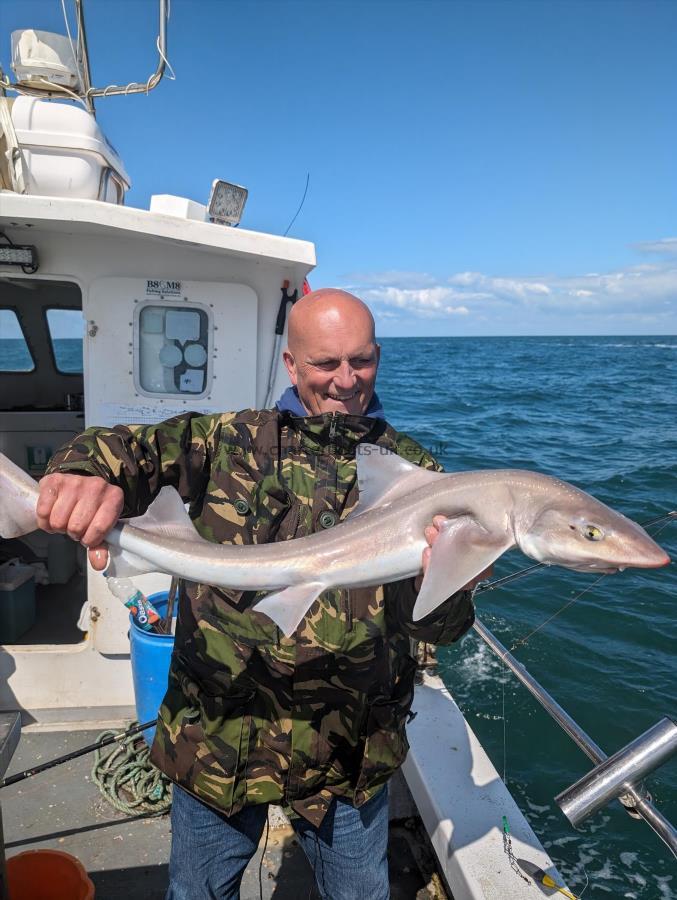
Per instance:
{"type": "Point", "coordinates": [143, 612]}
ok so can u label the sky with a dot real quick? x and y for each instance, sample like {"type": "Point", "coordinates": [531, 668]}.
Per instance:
{"type": "Point", "coordinates": [489, 167]}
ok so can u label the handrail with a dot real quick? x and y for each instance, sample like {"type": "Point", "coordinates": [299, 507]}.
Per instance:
{"type": "Point", "coordinates": [87, 92]}
{"type": "Point", "coordinates": [155, 78]}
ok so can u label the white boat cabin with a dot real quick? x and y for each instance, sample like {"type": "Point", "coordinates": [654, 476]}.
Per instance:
{"type": "Point", "coordinates": [117, 315]}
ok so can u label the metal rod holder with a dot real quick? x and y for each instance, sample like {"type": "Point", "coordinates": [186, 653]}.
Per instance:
{"type": "Point", "coordinates": [633, 799]}
{"type": "Point", "coordinates": [613, 777]}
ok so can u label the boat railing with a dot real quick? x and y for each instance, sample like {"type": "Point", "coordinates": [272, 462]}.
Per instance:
{"type": "Point", "coordinates": [616, 777]}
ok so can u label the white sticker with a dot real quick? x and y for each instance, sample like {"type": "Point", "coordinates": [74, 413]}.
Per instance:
{"type": "Point", "coordinates": [182, 325]}
{"type": "Point", "coordinates": [192, 380]}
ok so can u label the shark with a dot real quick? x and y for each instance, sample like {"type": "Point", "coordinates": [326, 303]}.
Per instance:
{"type": "Point", "coordinates": [485, 514]}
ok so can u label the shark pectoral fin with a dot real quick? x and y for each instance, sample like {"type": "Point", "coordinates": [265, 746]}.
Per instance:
{"type": "Point", "coordinates": [463, 549]}
{"type": "Point", "coordinates": [287, 607]}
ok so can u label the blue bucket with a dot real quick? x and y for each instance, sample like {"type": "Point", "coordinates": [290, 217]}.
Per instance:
{"type": "Point", "coordinates": [151, 654]}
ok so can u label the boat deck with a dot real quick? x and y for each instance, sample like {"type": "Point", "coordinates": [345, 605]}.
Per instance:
{"type": "Point", "coordinates": [62, 809]}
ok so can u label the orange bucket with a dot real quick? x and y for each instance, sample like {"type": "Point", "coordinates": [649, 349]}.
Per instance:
{"type": "Point", "coordinates": [47, 875]}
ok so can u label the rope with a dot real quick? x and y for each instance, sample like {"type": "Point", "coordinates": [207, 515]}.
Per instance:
{"type": "Point", "coordinates": [129, 781]}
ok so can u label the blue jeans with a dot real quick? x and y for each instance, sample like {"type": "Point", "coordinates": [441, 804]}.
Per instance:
{"type": "Point", "coordinates": [210, 851]}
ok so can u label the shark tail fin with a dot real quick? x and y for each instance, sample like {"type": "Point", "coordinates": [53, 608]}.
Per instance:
{"type": "Point", "coordinates": [18, 499]}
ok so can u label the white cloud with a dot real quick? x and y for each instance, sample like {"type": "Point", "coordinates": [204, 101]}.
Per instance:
{"type": "Point", "coordinates": [506, 288]}
{"type": "Point", "coordinates": [665, 245]}
{"type": "Point", "coordinates": [427, 302]}
{"type": "Point", "coordinates": [648, 291]}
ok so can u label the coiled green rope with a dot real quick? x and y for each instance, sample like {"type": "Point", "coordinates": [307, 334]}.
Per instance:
{"type": "Point", "coordinates": [128, 779]}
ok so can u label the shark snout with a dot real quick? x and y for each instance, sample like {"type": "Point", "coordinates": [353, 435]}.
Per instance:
{"type": "Point", "coordinates": [653, 560]}
{"type": "Point", "coordinates": [639, 551]}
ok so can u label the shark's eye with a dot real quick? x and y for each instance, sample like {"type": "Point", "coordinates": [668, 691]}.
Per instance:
{"type": "Point", "coordinates": [593, 533]}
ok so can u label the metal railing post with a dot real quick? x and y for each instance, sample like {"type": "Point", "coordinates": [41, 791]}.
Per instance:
{"type": "Point", "coordinates": [633, 799]}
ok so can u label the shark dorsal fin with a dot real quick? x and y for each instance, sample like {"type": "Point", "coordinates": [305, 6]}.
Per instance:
{"type": "Point", "coordinates": [383, 476]}
{"type": "Point", "coordinates": [166, 516]}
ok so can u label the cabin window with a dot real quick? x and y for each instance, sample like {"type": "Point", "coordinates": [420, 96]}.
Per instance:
{"type": "Point", "coordinates": [173, 349]}
{"type": "Point", "coordinates": [14, 353]}
{"type": "Point", "coordinates": [66, 333]}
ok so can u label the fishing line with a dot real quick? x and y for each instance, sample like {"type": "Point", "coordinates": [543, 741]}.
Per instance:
{"type": "Point", "coordinates": [670, 520]}
{"type": "Point", "coordinates": [492, 585]}
{"type": "Point", "coordinates": [504, 726]}
{"type": "Point", "coordinates": [521, 641]}
{"type": "Point", "coordinates": [587, 881]}
{"type": "Point", "coordinates": [670, 515]}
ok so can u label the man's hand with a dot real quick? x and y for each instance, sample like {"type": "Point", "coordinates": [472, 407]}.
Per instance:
{"type": "Point", "coordinates": [431, 534]}
{"type": "Point", "coordinates": [85, 507]}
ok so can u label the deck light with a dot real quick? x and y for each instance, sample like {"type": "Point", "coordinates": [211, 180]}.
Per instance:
{"type": "Point", "coordinates": [226, 202]}
{"type": "Point", "coordinates": [24, 255]}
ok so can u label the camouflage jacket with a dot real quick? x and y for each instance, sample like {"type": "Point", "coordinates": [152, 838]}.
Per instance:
{"type": "Point", "coordinates": [249, 715]}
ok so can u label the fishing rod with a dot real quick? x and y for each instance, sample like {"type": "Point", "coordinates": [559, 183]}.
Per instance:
{"type": "Point", "coordinates": [97, 745]}
{"type": "Point", "coordinates": [499, 582]}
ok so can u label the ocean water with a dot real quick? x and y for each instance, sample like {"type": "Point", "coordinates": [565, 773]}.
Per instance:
{"type": "Point", "coordinates": [16, 357]}
{"type": "Point", "coordinates": [600, 412]}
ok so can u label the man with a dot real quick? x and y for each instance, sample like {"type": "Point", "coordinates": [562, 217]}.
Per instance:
{"type": "Point", "coordinates": [315, 721]}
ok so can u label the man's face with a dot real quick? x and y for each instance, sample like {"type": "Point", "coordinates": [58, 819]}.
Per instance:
{"type": "Point", "coordinates": [334, 366]}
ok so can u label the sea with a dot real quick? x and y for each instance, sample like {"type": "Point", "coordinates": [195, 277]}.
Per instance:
{"type": "Point", "coordinates": [600, 412]}
{"type": "Point", "coordinates": [15, 355]}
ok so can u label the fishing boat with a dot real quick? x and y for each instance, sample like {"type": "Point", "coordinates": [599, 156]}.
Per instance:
{"type": "Point", "coordinates": [111, 314]}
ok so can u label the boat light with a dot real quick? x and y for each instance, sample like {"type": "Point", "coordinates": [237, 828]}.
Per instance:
{"type": "Point", "coordinates": [24, 255]}
{"type": "Point", "coordinates": [226, 202]}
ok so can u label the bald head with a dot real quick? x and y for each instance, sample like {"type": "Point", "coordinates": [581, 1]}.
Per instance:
{"type": "Point", "coordinates": [332, 356]}
{"type": "Point", "coordinates": [328, 309]}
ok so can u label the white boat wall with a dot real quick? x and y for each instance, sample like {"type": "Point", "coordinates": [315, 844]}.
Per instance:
{"type": "Point", "coordinates": [147, 282]}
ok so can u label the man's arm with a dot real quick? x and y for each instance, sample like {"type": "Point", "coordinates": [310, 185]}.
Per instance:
{"type": "Point", "coordinates": [124, 469]}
